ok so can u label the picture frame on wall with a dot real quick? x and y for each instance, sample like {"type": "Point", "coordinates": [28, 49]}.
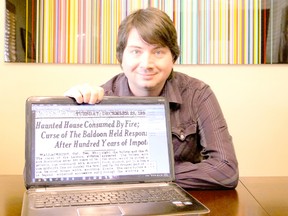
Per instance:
{"type": "Point", "coordinates": [209, 31]}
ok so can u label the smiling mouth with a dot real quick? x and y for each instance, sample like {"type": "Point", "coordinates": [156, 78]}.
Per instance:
{"type": "Point", "coordinates": [147, 76]}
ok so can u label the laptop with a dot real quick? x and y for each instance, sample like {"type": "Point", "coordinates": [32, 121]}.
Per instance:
{"type": "Point", "coordinates": [112, 158]}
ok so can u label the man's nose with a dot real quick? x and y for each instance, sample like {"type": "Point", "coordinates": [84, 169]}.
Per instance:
{"type": "Point", "coordinates": [147, 60]}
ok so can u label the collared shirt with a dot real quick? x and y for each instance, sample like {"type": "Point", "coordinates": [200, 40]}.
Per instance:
{"type": "Point", "coordinates": [203, 149]}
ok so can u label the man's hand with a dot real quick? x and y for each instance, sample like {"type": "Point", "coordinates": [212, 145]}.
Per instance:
{"type": "Point", "coordinates": [86, 93]}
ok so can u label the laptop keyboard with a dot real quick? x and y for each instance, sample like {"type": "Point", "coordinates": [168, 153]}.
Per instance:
{"type": "Point", "coordinates": [139, 195]}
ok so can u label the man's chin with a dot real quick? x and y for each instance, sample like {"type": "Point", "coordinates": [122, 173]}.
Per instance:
{"type": "Point", "coordinates": [147, 84]}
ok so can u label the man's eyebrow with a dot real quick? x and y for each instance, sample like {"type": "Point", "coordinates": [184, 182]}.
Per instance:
{"type": "Point", "coordinates": [159, 46]}
{"type": "Point", "coordinates": [155, 46]}
{"type": "Point", "coordinates": [134, 46]}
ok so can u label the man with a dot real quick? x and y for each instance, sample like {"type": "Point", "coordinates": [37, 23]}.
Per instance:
{"type": "Point", "coordinates": [147, 50]}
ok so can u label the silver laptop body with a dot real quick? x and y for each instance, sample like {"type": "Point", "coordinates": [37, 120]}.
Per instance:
{"type": "Point", "coordinates": [115, 148]}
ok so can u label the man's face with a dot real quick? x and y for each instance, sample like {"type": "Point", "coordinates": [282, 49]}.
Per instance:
{"type": "Point", "coordinates": [146, 66]}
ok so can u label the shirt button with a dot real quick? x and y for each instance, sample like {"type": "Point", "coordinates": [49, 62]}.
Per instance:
{"type": "Point", "coordinates": [182, 137]}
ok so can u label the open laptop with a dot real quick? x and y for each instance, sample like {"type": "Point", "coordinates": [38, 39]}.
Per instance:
{"type": "Point", "coordinates": [120, 148]}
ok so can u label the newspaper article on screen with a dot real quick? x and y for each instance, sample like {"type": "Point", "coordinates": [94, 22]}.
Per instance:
{"type": "Point", "coordinates": [85, 142]}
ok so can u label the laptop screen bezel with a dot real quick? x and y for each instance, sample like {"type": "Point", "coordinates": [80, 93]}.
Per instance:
{"type": "Point", "coordinates": [30, 148]}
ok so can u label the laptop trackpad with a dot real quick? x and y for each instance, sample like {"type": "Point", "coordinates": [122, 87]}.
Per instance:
{"type": "Point", "coordinates": [101, 210]}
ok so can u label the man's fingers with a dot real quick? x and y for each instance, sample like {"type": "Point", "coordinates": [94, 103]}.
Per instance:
{"type": "Point", "coordinates": [75, 93]}
{"type": "Point", "coordinates": [96, 95]}
{"type": "Point", "coordinates": [86, 93]}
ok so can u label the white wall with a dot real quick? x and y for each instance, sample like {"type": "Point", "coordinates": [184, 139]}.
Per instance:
{"type": "Point", "coordinates": [254, 100]}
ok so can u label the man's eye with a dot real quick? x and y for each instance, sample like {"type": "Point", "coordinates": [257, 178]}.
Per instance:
{"type": "Point", "coordinates": [159, 52]}
{"type": "Point", "coordinates": [135, 52]}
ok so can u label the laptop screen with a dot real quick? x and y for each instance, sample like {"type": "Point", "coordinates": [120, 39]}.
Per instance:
{"type": "Point", "coordinates": [117, 140]}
